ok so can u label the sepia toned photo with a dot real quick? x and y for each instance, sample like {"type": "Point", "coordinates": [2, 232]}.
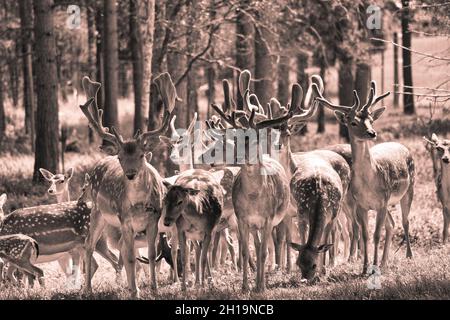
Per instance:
{"type": "Point", "coordinates": [246, 150]}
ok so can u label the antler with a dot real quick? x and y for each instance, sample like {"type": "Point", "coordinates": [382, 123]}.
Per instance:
{"type": "Point", "coordinates": [168, 93]}
{"type": "Point", "coordinates": [372, 99]}
{"type": "Point", "coordinates": [95, 118]}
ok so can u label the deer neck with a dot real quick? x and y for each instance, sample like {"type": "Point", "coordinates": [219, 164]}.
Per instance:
{"type": "Point", "coordinates": [317, 226]}
{"type": "Point", "coordinates": [63, 196]}
{"type": "Point", "coordinates": [363, 164]}
{"type": "Point", "coordinates": [286, 158]}
{"type": "Point", "coordinates": [445, 178]}
{"type": "Point", "coordinates": [251, 179]}
{"type": "Point", "coordinates": [187, 163]}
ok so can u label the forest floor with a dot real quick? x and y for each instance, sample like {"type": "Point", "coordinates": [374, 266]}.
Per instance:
{"type": "Point", "coordinates": [426, 276]}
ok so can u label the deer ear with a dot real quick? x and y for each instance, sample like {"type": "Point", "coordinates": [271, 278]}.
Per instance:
{"type": "Point", "coordinates": [434, 138]}
{"type": "Point", "coordinates": [218, 175]}
{"type": "Point", "coordinates": [296, 246]}
{"type": "Point", "coordinates": [47, 174]}
{"type": "Point", "coordinates": [324, 247]}
{"type": "Point", "coordinates": [377, 113]}
{"type": "Point", "coordinates": [341, 117]}
{"type": "Point", "coordinates": [3, 198]}
{"type": "Point", "coordinates": [166, 140]}
{"type": "Point", "coordinates": [69, 174]}
{"type": "Point", "coordinates": [148, 156]}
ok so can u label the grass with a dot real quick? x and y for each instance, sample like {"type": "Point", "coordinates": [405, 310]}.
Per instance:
{"type": "Point", "coordinates": [426, 276]}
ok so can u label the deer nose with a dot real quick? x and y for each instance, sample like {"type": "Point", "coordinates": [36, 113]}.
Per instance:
{"type": "Point", "coordinates": [446, 160]}
{"type": "Point", "coordinates": [51, 191]}
{"type": "Point", "coordinates": [130, 175]}
{"type": "Point", "coordinates": [167, 222]}
{"type": "Point", "coordinates": [371, 133]}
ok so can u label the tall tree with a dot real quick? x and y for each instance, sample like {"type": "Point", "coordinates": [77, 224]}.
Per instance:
{"type": "Point", "coordinates": [2, 110]}
{"type": "Point", "coordinates": [211, 67]}
{"type": "Point", "coordinates": [283, 80]}
{"type": "Point", "coordinates": [111, 63]}
{"type": "Point", "coordinates": [408, 98]}
{"type": "Point", "coordinates": [47, 133]}
{"type": "Point", "coordinates": [396, 78]}
{"type": "Point", "coordinates": [90, 17]}
{"type": "Point", "coordinates": [99, 58]}
{"type": "Point", "coordinates": [142, 22]}
{"type": "Point", "coordinates": [245, 58]}
{"type": "Point", "coordinates": [302, 78]}
{"type": "Point", "coordinates": [264, 64]}
{"type": "Point", "coordinates": [345, 83]}
{"type": "Point", "coordinates": [26, 27]}
{"type": "Point", "coordinates": [321, 111]}
{"type": "Point", "coordinates": [362, 80]}
{"type": "Point", "coordinates": [192, 46]}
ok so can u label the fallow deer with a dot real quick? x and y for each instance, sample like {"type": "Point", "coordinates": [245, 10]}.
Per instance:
{"type": "Point", "coordinates": [58, 228]}
{"type": "Point", "coordinates": [382, 175]}
{"type": "Point", "coordinates": [194, 203]}
{"type": "Point", "coordinates": [183, 155]}
{"type": "Point", "coordinates": [21, 251]}
{"type": "Point", "coordinates": [440, 153]}
{"type": "Point", "coordinates": [319, 180]}
{"type": "Point", "coordinates": [261, 189]}
{"type": "Point", "coordinates": [127, 191]}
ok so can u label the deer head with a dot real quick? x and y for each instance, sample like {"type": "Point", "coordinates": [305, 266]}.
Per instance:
{"type": "Point", "coordinates": [131, 153]}
{"type": "Point", "coordinates": [180, 145]}
{"type": "Point", "coordinates": [59, 183]}
{"type": "Point", "coordinates": [175, 202]}
{"type": "Point", "coordinates": [247, 124]}
{"type": "Point", "coordinates": [308, 259]}
{"type": "Point", "coordinates": [358, 119]}
{"type": "Point", "coordinates": [85, 189]}
{"type": "Point", "coordinates": [441, 147]}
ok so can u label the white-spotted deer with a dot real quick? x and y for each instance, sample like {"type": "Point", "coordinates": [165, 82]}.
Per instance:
{"type": "Point", "coordinates": [60, 229]}
{"type": "Point", "coordinates": [127, 191]}
{"type": "Point", "coordinates": [261, 189]}
{"type": "Point", "coordinates": [440, 154]}
{"type": "Point", "coordinates": [382, 175]}
{"type": "Point", "coordinates": [319, 181]}
{"type": "Point", "coordinates": [21, 251]}
{"type": "Point", "coordinates": [194, 203]}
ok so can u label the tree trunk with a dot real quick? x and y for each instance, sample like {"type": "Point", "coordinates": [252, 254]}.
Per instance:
{"type": "Point", "coordinates": [396, 78]}
{"type": "Point", "coordinates": [264, 69]}
{"type": "Point", "coordinates": [345, 91]}
{"type": "Point", "coordinates": [47, 133]}
{"type": "Point", "coordinates": [26, 25]}
{"type": "Point", "coordinates": [111, 64]}
{"type": "Point", "coordinates": [90, 16]}
{"type": "Point", "coordinates": [302, 79]}
{"type": "Point", "coordinates": [156, 67]}
{"type": "Point", "coordinates": [408, 98]}
{"type": "Point", "coordinates": [283, 80]}
{"type": "Point", "coordinates": [321, 113]}
{"type": "Point", "coordinates": [2, 110]}
{"type": "Point", "coordinates": [13, 83]}
{"type": "Point", "coordinates": [192, 76]}
{"type": "Point", "coordinates": [245, 58]}
{"type": "Point", "coordinates": [362, 81]}
{"type": "Point", "coordinates": [211, 72]}
{"type": "Point", "coordinates": [123, 81]}
{"type": "Point", "coordinates": [100, 77]}
{"type": "Point", "coordinates": [142, 32]}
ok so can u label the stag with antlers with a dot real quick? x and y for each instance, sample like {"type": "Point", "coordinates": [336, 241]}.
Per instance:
{"type": "Point", "coordinates": [261, 190]}
{"type": "Point", "coordinates": [382, 175]}
{"type": "Point", "coordinates": [127, 191]}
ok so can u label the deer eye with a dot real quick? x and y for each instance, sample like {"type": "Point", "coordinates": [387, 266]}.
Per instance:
{"type": "Point", "coordinates": [314, 266]}
{"type": "Point", "coordinates": [179, 202]}
{"type": "Point", "coordinates": [61, 181]}
{"type": "Point", "coordinates": [353, 123]}
{"type": "Point", "coordinates": [141, 156]}
{"type": "Point", "coordinates": [440, 149]}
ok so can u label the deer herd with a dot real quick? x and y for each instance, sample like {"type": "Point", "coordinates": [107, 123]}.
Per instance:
{"type": "Point", "coordinates": [319, 197]}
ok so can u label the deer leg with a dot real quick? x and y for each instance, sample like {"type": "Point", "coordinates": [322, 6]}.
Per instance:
{"type": "Point", "coordinates": [389, 233]}
{"type": "Point", "coordinates": [152, 234]}
{"type": "Point", "coordinates": [257, 243]}
{"type": "Point", "coordinates": [380, 222]}
{"type": "Point", "coordinates": [266, 236]}
{"type": "Point", "coordinates": [446, 214]}
{"type": "Point", "coordinates": [103, 249]}
{"type": "Point", "coordinates": [363, 221]}
{"type": "Point", "coordinates": [244, 236]}
{"type": "Point", "coordinates": [128, 255]}
{"type": "Point", "coordinates": [288, 247]}
{"type": "Point", "coordinates": [174, 253]}
{"type": "Point", "coordinates": [229, 243]}
{"type": "Point", "coordinates": [97, 224]}
{"type": "Point", "coordinates": [184, 252]}
{"type": "Point", "coordinates": [2, 264]}
{"type": "Point", "coordinates": [204, 255]}
{"type": "Point", "coordinates": [216, 243]}
{"type": "Point", "coordinates": [405, 204]}
{"type": "Point", "coordinates": [198, 251]}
